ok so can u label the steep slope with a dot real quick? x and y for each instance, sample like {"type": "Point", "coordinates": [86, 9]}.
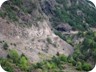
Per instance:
{"type": "Point", "coordinates": [48, 35]}
{"type": "Point", "coordinates": [37, 42]}
{"type": "Point", "coordinates": [80, 14]}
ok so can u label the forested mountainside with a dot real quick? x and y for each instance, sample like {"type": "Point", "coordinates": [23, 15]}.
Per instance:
{"type": "Point", "coordinates": [48, 35]}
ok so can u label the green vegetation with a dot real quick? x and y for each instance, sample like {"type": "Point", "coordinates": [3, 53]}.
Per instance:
{"type": "Point", "coordinates": [14, 61]}
{"type": "Point", "coordinates": [62, 14]}
{"type": "Point", "coordinates": [5, 46]}
{"type": "Point", "coordinates": [88, 46]}
{"type": "Point", "coordinates": [57, 64]}
{"type": "Point", "coordinates": [17, 2]}
{"type": "Point", "coordinates": [79, 66]}
{"type": "Point", "coordinates": [54, 65]}
{"type": "Point", "coordinates": [13, 55]}
{"type": "Point", "coordinates": [79, 16]}
{"type": "Point", "coordinates": [83, 51]}
{"type": "Point", "coordinates": [15, 10]}
{"type": "Point", "coordinates": [60, 35]}
{"type": "Point", "coordinates": [63, 58]}
{"type": "Point", "coordinates": [67, 38]}
{"type": "Point", "coordinates": [5, 63]}
{"type": "Point", "coordinates": [86, 67]}
{"type": "Point", "coordinates": [10, 13]}
{"type": "Point", "coordinates": [49, 40]}
{"type": "Point", "coordinates": [23, 63]}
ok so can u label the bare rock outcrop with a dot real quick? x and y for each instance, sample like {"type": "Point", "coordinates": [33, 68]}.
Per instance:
{"type": "Point", "coordinates": [36, 43]}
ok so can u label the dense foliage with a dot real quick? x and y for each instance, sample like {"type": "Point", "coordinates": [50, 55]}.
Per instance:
{"type": "Point", "coordinates": [14, 61]}
{"type": "Point", "coordinates": [56, 64]}
{"type": "Point", "coordinates": [79, 15]}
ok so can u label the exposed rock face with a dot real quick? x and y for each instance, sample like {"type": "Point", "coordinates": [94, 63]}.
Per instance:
{"type": "Point", "coordinates": [36, 43]}
{"type": "Point", "coordinates": [64, 27]}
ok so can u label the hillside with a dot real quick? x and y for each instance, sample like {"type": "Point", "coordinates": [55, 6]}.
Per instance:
{"type": "Point", "coordinates": [47, 35]}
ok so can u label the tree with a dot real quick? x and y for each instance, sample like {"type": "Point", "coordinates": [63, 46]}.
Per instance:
{"type": "Point", "coordinates": [23, 63]}
{"type": "Point", "coordinates": [13, 55]}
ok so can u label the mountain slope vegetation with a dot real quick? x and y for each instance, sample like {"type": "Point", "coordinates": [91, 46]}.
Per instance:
{"type": "Point", "coordinates": [48, 35]}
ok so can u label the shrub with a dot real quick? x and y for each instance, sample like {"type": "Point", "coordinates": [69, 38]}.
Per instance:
{"type": "Point", "coordinates": [2, 14]}
{"type": "Point", "coordinates": [56, 60]}
{"type": "Point", "coordinates": [39, 65]}
{"type": "Point", "coordinates": [17, 2]}
{"type": "Point", "coordinates": [50, 65]}
{"type": "Point", "coordinates": [69, 40]}
{"type": "Point", "coordinates": [10, 13]}
{"type": "Point", "coordinates": [63, 58]}
{"type": "Point", "coordinates": [79, 66]}
{"type": "Point", "coordinates": [49, 40]}
{"type": "Point", "coordinates": [5, 46]}
{"type": "Point", "coordinates": [62, 14]}
{"type": "Point", "coordinates": [13, 55]}
{"type": "Point", "coordinates": [74, 63]}
{"type": "Point", "coordinates": [23, 63]}
{"type": "Point", "coordinates": [60, 35]}
{"type": "Point", "coordinates": [86, 67]}
{"type": "Point", "coordinates": [7, 65]}
{"type": "Point", "coordinates": [70, 59]}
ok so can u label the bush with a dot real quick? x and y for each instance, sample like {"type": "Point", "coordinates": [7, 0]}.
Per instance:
{"type": "Point", "coordinates": [49, 40]}
{"type": "Point", "coordinates": [60, 35]}
{"type": "Point", "coordinates": [70, 59]}
{"type": "Point", "coordinates": [79, 66]}
{"type": "Point", "coordinates": [56, 60]}
{"type": "Point", "coordinates": [23, 63]}
{"type": "Point", "coordinates": [63, 58]}
{"type": "Point", "coordinates": [7, 65]}
{"type": "Point", "coordinates": [69, 40]}
{"type": "Point", "coordinates": [50, 65]}
{"type": "Point", "coordinates": [62, 14]}
{"type": "Point", "coordinates": [17, 2]}
{"type": "Point", "coordinates": [2, 14]}
{"type": "Point", "coordinates": [39, 65]}
{"type": "Point", "coordinates": [10, 13]}
{"type": "Point", "coordinates": [86, 67]}
{"type": "Point", "coordinates": [13, 55]}
{"type": "Point", "coordinates": [74, 63]}
{"type": "Point", "coordinates": [5, 46]}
